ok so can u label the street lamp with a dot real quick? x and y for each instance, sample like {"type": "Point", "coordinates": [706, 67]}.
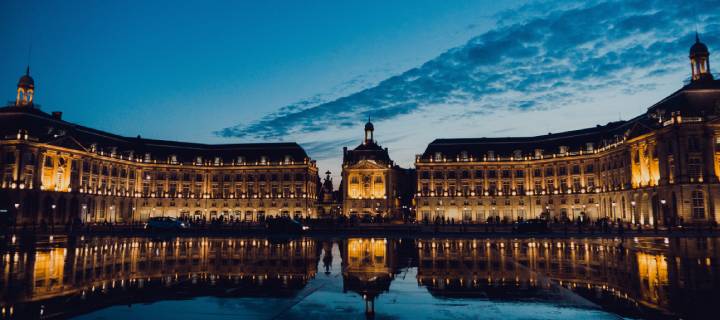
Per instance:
{"type": "Point", "coordinates": [52, 218]}
{"type": "Point", "coordinates": [663, 210]}
{"type": "Point", "coordinates": [17, 215]}
{"type": "Point", "coordinates": [85, 213]}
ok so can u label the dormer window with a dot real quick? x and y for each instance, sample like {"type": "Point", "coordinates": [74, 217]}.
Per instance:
{"type": "Point", "coordinates": [147, 157]}
{"type": "Point", "coordinates": [438, 156]}
{"type": "Point", "coordinates": [263, 159]}
{"type": "Point", "coordinates": [198, 160]}
{"type": "Point", "coordinates": [517, 154]}
{"type": "Point", "coordinates": [173, 159]}
{"type": "Point", "coordinates": [93, 147]}
{"type": "Point", "coordinates": [217, 161]}
{"type": "Point", "coordinates": [589, 147]}
{"type": "Point", "coordinates": [563, 149]}
{"type": "Point", "coordinates": [288, 159]}
{"type": "Point", "coordinates": [464, 155]}
{"type": "Point", "coordinates": [538, 153]}
{"type": "Point", "coordinates": [113, 151]}
{"type": "Point", "coordinates": [491, 155]}
{"type": "Point", "coordinates": [241, 159]}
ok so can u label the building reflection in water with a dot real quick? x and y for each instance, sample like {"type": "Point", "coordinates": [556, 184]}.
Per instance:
{"type": "Point", "coordinates": [646, 277]}
{"type": "Point", "coordinates": [103, 272]}
{"type": "Point", "coordinates": [635, 277]}
{"type": "Point", "coordinates": [368, 267]}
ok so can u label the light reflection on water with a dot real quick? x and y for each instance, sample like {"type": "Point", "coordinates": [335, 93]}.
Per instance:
{"type": "Point", "coordinates": [144, 278]}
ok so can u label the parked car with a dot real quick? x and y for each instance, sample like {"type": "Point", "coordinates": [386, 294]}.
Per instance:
{"type": "Point", "coordinates": [285, 225]}
{"type": "Point", "coordinates": [165, 224]}
{"type": "Point", "coordinates": [531, 225]}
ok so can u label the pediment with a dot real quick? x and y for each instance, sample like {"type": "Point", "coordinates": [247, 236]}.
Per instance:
{"type": "Point", "coordinates": [367, 164]}
{"type": "Point", "coordinates": [68, 142]}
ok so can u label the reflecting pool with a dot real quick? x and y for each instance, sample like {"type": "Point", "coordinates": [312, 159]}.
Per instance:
{"type": "Point", "coordinates": [384, 278]}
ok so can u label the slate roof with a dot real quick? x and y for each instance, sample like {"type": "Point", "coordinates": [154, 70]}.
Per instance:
{"type": "Point", "coordinates": [696, 99]}
{"type": "Point", "coordinates": [48, 129]}
{"type": "Point", "coordinates": [369, 151]}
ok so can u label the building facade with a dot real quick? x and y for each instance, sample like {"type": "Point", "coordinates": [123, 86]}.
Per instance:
{"type": "Point", "coordinates": [369, 179]}
{"type": "Point", "coordinates": [659, 168]}
{"type": "Point", "coordinates": [56, 172]}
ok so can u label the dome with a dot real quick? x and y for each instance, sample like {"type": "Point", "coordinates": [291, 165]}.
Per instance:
{"type": "Point", "coordinates": [698, 47]}
{"type": "Point", "coordinates": [369, 126]}
{"type": "Point", "coordinates": [26, 80]}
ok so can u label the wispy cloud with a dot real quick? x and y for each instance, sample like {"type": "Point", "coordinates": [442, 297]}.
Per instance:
{"type": "Point", "coordinates": [539, 56]}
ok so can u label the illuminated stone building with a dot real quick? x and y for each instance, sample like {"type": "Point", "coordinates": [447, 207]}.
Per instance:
{"type": "Point", "coordinates": [53, 172]}
{"type": "Point", "coordinates": [660, 167]}
{"type": "Point", "coordinates": [369, 179]}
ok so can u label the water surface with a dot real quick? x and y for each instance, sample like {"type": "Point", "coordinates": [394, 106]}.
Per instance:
{"type": "Point", "coordinates": [385, 278]}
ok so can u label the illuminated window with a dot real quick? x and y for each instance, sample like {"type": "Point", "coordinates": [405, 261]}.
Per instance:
{"type": "Point", "coordinates": [698, 204]}
{"type": "Point", "coordinates": [48, 162]}
{"type": "Point", "coordinates": [694, 169]}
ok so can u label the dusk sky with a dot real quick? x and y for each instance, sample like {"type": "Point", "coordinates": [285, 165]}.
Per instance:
{"type": "Point", "coordinates": [312, 72]}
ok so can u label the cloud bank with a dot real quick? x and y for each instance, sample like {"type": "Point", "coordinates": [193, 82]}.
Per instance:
{"type": "Point", "coordinates": [539, 56]}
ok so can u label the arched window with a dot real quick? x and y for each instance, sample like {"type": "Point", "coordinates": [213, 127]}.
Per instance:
{"type": "Point", "coordinates": [698, 204]}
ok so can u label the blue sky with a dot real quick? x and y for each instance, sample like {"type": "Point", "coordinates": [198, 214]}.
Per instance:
{"type": "Point", "coordinates": [312, 71]}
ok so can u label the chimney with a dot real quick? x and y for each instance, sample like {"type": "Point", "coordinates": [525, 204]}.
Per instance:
{"type": "Point", "coordinates": [57, 115]}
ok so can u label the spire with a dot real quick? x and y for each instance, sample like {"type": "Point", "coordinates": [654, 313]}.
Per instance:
{"type": "Point", "coordinates": [700, 60]}
{"type": "Point", "coordinates": [369, 128]}
{"type": "Point", "coordinates": [25, 89]}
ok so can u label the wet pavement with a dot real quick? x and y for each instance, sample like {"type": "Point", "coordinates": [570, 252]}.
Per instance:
{"type": "Point", "coordinates": [356, 278]}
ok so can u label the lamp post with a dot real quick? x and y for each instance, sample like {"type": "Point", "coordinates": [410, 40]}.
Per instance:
{"type": "Point", "coordinates": [17, 216]}
{"type": "Point", "coordinates": [52, 218]}
{"type": "Point", "coordinates": [663, 209]}
{"type": "Point", "coordinates": [85, 213]}
{"type": "Point", "coordinates": [547, 212]}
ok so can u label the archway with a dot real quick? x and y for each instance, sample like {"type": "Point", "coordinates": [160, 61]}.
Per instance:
{"type": "Point", "coordinates": [48, 217]}
{"type": "Point", "coordinates": [74, 209]}
{"type": "Point", "coordinates": [674, 217]}
{"type": "Point", "coordinates": [61, 212]}
{"type": "Point", "coordinates": [655, 210]}
{"type": "Point", "coordinates": [644, 209]}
